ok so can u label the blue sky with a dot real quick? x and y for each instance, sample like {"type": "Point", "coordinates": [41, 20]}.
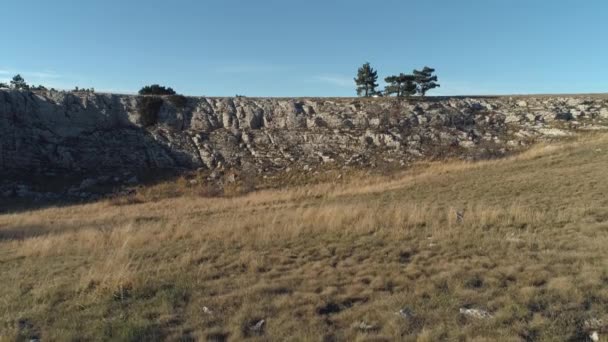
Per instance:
{"type": "Point", "coordinates": [306, 48]}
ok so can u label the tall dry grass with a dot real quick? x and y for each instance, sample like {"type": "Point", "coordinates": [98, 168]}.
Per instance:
{"type": "Point", "coordinates": [361, 241]}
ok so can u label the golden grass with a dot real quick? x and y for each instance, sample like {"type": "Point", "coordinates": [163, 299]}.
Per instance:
{"type": "Point", "coordinates": [328, 261]}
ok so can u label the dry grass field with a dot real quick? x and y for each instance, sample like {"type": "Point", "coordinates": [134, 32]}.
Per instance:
{"type": "Point", "coordinates": [331, 261]}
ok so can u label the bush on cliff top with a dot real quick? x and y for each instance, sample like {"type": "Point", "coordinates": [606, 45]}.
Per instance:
{"type": "Point", "coordinates": [156, 89]}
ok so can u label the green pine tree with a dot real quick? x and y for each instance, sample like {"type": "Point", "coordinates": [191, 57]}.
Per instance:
{"type": "Point", "coordinates": [366, 80]}
{"type": "Point", "coordinates": [19, 83]}
{"type": "Point", "coordinates": [400, 85]}
{"type": "Point", "coordinates": [425, 80]}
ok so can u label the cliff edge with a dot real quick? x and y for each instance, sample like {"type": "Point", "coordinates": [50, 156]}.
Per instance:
{"type": "Point", "coordinates": [47, 132]}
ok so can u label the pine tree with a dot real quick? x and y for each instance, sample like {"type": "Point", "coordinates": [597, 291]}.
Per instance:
{"type": "Point", "coordinates": [425, 80]}
{"type": "Point", "coordinates": [400, 85]}
{"type": "Point", "coordinates": [19, 83]}
{"type": "Point", "coordinates": [366, 80]}
{"type": "Point", "coordinates": [3, 85]}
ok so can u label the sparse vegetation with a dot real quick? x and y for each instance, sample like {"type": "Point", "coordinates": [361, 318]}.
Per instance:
{"type": "Point", "coordinates": [402, 85]}
{"type": "Point", "coordinates": [362, 258]}
{"type": "Point", "coordinates": [83, 90]}
{"type": "Point", "coordinates": [156, 89]}
{"type": "Point", "coordinates": [38, 88]}
{"type": "Point", "coordinates": [19, 83]}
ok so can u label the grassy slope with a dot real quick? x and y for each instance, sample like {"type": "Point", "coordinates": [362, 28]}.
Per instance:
{"type": "Point", "coordinates": [314, 262]}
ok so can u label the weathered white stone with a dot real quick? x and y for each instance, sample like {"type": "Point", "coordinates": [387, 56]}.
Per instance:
{"type": "Point", "coordinates": [475, 313]}
{"type": "Point", "coordinates": [467, 144]}
{"type": "Point", "coordinates": [554, 132]}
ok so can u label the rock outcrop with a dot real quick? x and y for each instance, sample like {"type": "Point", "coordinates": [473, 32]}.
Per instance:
{"type": "Point", "coordinates": [81, 132]}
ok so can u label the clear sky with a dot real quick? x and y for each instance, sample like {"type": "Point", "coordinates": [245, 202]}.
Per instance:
{"type": "Point", "coordinates": [306, 48]}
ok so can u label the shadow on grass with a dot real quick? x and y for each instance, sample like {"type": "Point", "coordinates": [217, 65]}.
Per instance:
{"type": "Point", "coordinates": [24, 232]}
{"type": "Point", "coordinates": [61, 184]}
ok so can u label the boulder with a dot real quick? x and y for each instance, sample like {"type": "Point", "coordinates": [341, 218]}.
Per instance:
{"type": "Point", "coordinates": [566, 116]}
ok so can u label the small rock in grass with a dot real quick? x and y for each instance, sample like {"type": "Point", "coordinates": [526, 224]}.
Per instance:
{"type": "Point", "coordinates": [513, 238]}
{"type": "Point", "coordinates": [475, 313]}
{"type": "Point", "coordinates": [594, 336]}
{"type": "Point", "coordinates": [365, 327]}
{"type": "Point", "coordinates": [460, 216]}
{"type": "Point", "coordinates": [593, 324]}
{"type": "Point", "coordinates": [259, 326]}
{"type": "Point", "coordinates": [405, 313]}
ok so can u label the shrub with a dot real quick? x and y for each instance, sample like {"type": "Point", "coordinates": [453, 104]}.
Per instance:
{"type": "Point", "coordinates": [156, 89]}
{"type": "Point", "coordinates": [148, 108]}
{"type": "Point", "coordinates": [83, 90]}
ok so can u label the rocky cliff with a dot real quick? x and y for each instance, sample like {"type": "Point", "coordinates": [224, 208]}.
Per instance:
{"type": "Point", "coordinates": [50, 132]}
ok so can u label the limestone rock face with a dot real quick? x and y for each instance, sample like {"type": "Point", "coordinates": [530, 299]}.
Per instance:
{"type": "Point", "coordinates": [62, 131]}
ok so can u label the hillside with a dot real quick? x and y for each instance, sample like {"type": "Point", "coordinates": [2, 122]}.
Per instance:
{"type": "Point", "coordinates": [509, 249]}
{"type": "Point", "coordinates": [77, 145]}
